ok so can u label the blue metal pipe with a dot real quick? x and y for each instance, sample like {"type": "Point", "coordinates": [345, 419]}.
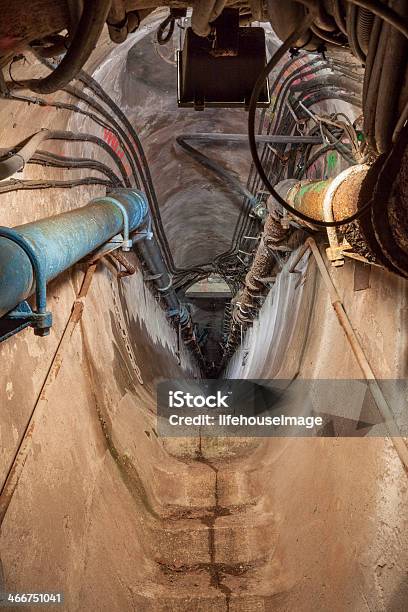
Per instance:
{"type": "Point", "coordinates": [60, 241]}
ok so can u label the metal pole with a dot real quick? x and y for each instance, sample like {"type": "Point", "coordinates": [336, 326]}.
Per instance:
{"type": "Point", "coordinates": [380, 400]}
{"type": "Point", "coordinates": [270, 138]}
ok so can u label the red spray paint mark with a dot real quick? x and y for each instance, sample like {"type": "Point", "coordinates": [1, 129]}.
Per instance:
{"type": "Point", "coordinates": [111, 139]}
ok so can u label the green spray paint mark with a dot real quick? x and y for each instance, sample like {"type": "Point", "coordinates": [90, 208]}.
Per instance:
{"type": "Point", "coordinates": [331, 160]}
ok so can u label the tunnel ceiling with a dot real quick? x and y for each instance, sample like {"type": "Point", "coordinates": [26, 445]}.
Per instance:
{"type": "Point", "coordinates": [199, 211]}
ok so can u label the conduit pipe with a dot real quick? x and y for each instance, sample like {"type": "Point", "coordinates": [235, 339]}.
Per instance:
{"type": "Point", "coordinates": [149, 252]}
{"type": "Point", "coordinates": [62, 240]}
{"type": "Point", "coordinates": [243, 138]}
{"type": "Point", "coordinates": [14, 162]}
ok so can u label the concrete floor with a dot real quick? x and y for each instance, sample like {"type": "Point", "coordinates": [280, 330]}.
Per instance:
{"type": "Point", "coordinates": [120, 519]}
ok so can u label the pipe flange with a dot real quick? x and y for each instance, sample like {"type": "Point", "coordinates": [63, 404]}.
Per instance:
{"type": "Point", "coordinates": [168, 286]}
{"type": "Point", "coordinates": [330, 195]}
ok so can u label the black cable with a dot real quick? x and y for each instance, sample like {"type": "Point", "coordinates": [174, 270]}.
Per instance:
{"type": "Point", "coordinates": [113, 126]}
{"type": "Point", "coordinates": [45, 158]}
{"type": "Point", "coordinates": [76, 109]}
{"type": "Point", "coordinates": [215, 167]}
{"type": "Point", "coordinates": [17, 185]}
{"type": "Point", "coordinates": [147, 181]}
{"type": "Point", "coordinates": [74, 137]}
{"type": "Point", "coordinates": [253, 146]}
{"type": "Point", "coordinates": [380, 9]}
{"type": "Point", "coordinates": [385, 12]}
{"type": "Point", "coordinates": [84, 41]}
{"type": "Point", "coordinates": [145, 176]}
{"type": "Point", "coordinates": [163, 37]}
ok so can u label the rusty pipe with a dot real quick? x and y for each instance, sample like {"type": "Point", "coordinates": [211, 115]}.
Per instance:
{"type": "Point", "coordinates": [331, 199]}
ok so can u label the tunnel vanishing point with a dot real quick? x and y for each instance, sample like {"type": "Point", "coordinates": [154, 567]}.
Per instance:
{"type": "Point", "coordinates": [203, 305]}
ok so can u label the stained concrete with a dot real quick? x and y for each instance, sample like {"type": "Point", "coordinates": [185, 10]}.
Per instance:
{"type": "Point", "coordinates": [119, 519]}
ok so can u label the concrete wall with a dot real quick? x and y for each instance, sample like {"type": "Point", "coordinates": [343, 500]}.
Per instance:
{"type": "Point", "coordinates": [341, 501]}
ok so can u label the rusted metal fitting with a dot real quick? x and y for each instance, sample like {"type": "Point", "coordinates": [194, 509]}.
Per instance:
{"type": "Point", "coordinates": [340, 200]}
{"type": "Point", "coordinates": [330, 200]}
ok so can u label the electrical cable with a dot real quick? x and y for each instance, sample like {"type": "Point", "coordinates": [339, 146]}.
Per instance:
{"type": "Point", "coordinates": [146, 178]}
{"type": "Point", "coordinates": [215, 167]}
{"type": "Point", "coordinates": [252, 140]}
{"type": "Point", "coordinates": [17, 185]}
{"type": "Point", "coordinates": [385, 12]}
{"type": "Point", "coordinates": [45, 158]}
{"type": "Point", "coordinates": [85, 38]}
{"type": "Point", "coordinates": [73, 108]}
{"type": "Point", "coordinates": [163, 37]}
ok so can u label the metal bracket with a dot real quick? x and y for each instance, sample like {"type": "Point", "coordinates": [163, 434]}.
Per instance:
{"type": "Point", "coordinates": [22, 316]}
{"type": "Point", "coordinates": [114, 244]}
{"type": "Point", "coordinates": [127, 242]}
{"type": "Point", "coordinates": [145, 234]}
{"type": "Point", "coordinates": [167, 287]}
{"type": "Point", "coordinates": [259, 210]}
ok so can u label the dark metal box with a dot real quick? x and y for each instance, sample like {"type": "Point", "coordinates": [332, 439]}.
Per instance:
{"type": "Point", "coordinates": [208, 79]}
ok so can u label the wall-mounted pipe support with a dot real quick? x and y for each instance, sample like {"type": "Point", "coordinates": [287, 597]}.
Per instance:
{"type": "Point", "coordinates": [57, 243]}
{"type": "Point", "coordinates": [23, 316]}
{"type": "Point", "coordinates": [33, 254]}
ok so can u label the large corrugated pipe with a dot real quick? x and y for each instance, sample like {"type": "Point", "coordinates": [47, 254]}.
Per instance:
{"type": "Point", "coordinates": [60, 241]}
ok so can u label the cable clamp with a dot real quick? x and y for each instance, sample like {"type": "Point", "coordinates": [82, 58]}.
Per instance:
{"type": "Point", "coordinates": [167, 287]}
{"type": "Point", "coordinates": [145, 234]}
{"type": "Point", "coordinates": [127, 242]}
{"type": "Point", "coordinates": [22, 316]}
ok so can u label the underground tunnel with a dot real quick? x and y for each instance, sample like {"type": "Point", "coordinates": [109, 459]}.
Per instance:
{"type": "Point", "coordinates": [202, 201]}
